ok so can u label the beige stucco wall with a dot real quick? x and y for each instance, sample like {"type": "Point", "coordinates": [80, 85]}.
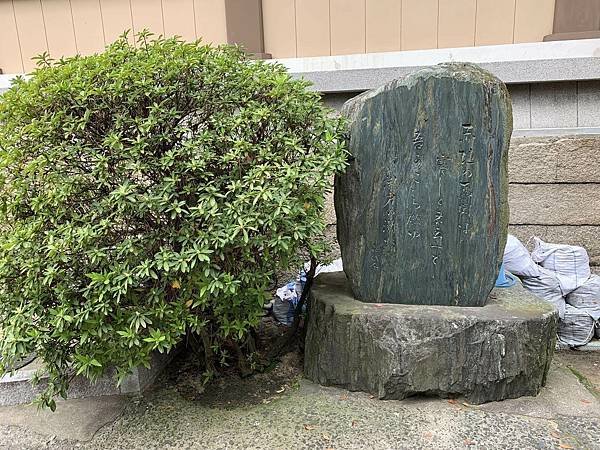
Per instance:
{"type": "Point", "coordinates": [67, 27]}
{"type": "Point", "coordinates": [292, 28]}
{"type": "Point", "coordinates": [296, 28]}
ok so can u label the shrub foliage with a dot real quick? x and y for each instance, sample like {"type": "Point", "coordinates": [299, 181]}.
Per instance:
{"type": "Point", "coordinates": [148, 192]}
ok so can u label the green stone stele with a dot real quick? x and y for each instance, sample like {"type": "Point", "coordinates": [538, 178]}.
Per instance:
{"type": "Point", "coordinates": [422, 210]}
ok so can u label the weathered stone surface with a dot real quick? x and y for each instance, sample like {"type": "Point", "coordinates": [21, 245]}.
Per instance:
{"type": "Point", "coordinates": [421, 211]}
{"type": "Point", "coordinates": [499, 351]}
{"type": "Point", "coordinates": [571, 159]}
{"type": "Point", "coordinates": [554, 204]}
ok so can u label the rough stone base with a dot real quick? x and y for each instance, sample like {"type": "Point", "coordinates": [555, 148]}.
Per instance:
{"type": "Point", "coordinates": [498, 351]}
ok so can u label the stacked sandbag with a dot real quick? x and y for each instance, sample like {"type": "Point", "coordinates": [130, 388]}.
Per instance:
{"type": "Point", "coordinates": [577, 328]}
{"type": "Point", "coordinates": [560, 274]}
{"type": "Point", "coordinates": [584, 304]}
{"type": "Point", "coordinates": [570, 263]}
{"type": "Point", "coordinates": [587, 297]}
{"type": "Point", "coordinates": [517, 259]}
{"type": "Point", "coordinates": [543, 283]}
{"type": "Point", "coordinates": [546, 285]}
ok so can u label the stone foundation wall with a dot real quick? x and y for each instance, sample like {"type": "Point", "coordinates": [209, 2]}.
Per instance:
{"type": "Point", "coordinates": [554, 191]}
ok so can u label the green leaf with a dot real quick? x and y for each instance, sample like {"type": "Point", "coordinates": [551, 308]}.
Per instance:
{"type": "Point", "coordinates": [141, 177]}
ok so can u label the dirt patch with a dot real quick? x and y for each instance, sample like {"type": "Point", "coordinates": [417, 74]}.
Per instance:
{"type": "Point", "coordinates": [272, 378]}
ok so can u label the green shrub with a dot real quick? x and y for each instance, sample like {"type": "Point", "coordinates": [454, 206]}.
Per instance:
{"type": "Point", "coordinates": [148, 192]}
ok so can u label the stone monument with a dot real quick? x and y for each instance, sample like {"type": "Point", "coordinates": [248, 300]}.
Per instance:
{"type": "Point", "coordinates": [422, 210]}
{"type": "Point", "coordinates": [422, 222]}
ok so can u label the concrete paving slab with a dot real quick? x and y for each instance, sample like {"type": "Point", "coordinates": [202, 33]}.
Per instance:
{"type": "Point", "coordinates": [562, 396]}
{"type": "Point", "coordinates": [585, 366]}
{"type": "Point", "coordinates": [76, 419]}
{"type": "Point", "coordinates": [593, 346]}
{"type": "Point", "coordinates": [313, 417]}
{"type": "Point", "coordinates": [304, 415]}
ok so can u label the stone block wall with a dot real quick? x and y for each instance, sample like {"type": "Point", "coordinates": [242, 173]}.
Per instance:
{"type": "Point", "coordinates": [555, 190]}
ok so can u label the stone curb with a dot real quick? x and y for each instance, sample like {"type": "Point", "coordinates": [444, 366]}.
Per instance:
{"type": "Point", "coordinates": [16, 389]}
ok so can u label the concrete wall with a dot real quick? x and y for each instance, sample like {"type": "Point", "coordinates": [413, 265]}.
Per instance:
{"type": "Point", "coordinates": [298, 28]}
{"type": "Point", "coordinates": [568, 104]}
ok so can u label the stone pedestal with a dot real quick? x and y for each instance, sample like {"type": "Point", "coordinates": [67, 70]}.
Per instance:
{"type": "Point", "coordinates": [498, 351]}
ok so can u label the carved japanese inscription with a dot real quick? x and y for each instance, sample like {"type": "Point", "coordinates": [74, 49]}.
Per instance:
{"type": "Point", "coordinates": [422, 210]}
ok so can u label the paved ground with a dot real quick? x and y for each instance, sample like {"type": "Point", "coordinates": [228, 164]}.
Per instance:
{"type": "Point", "coordinates": [565, 415]}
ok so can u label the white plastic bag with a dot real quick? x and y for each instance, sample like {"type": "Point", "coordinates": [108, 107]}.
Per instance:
{"type": "Point", "coordinates": [517, 259]}
{"type": "Point", "coordinates": [547, 287]}
{"type": "Point", "coordinates": [287, 297]}
{"type": "Point", "coordinates": [587, 297]}
{"type": "Point", "coordinates": [570, 262]}
{"type": "Point", "coordinates": [577, 328]}
{"type": "Point", "coordinates": [335, 266]}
